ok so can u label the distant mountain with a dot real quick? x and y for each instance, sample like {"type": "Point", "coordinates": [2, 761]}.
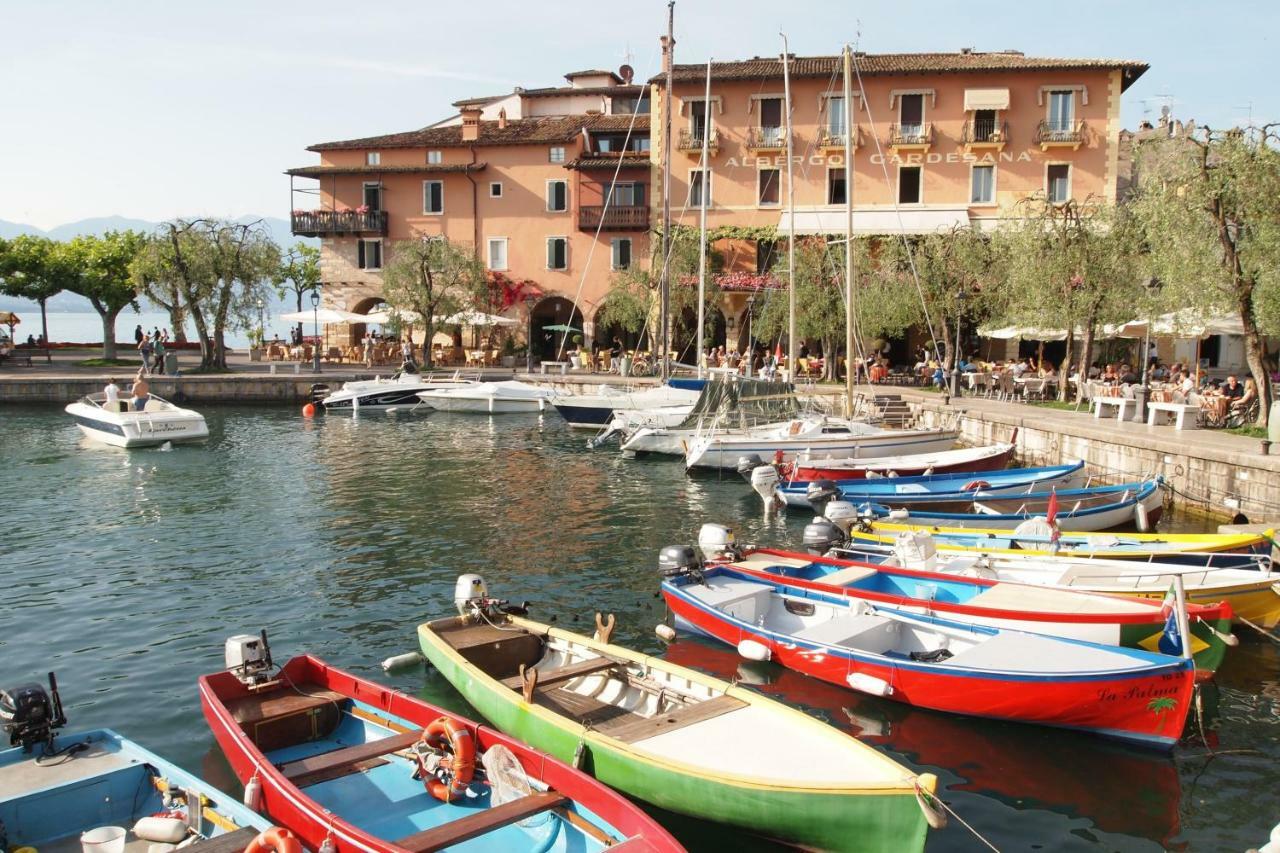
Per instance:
{"type": "Point", "coordinates": [278, 229]}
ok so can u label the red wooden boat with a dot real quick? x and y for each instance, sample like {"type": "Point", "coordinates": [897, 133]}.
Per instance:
{"type": "Point", "coordinates": [334, 758]}
{"type": "Point", "coordinates": [994, 458]}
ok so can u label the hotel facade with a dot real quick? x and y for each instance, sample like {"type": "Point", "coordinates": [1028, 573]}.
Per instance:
{"type": "Point", "coordinates": [557, 189]}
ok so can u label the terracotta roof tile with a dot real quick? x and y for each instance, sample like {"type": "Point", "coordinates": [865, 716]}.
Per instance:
{"type": "Point", "coordinates": [878, 64]}
{"type": "Point", "coordinates": [631, 160]}
{"type": "Point", "coordinates": [593, 73]}
{"type": "Point", "coordinates": [528, 131]}
{"type": "Point", "coordinates": [614, 91]}
{"type": "Point", "coordinates": [321, 171]}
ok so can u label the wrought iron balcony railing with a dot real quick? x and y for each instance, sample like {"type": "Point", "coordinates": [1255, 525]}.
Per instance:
{"type": "Point", "coordinates": [766, 138]}
{"type": "Point", "coordinates": [985, 132]}
{"type": "Point", "coordinates": [691, 140]}
{"type": "Point", "coordinates": [911, 134]}
{"type": "Point", "coordinates": [834, 137]}
{"type": "Point", "coordinates": [1060, 133]}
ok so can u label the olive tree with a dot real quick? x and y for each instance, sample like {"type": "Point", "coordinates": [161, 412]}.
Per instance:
{"type": "Point", "coordinates": [100, 271]}
{"type": "Point", "coordinates": [435, 278]}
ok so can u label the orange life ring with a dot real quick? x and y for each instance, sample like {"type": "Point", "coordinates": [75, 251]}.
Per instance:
{"type": "Point", "coordinates": [975, 485]}
{"type": "Point", "coordinates": [454, 771]}
{"type": "Point", "coordinates": [277, 839]}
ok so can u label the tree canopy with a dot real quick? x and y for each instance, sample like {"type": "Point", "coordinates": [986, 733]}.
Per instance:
{"type": "Point", "coordinates": [434, 278]}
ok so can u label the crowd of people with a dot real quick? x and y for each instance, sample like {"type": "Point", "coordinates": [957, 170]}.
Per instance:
{"type": "Point", "coordinates": [151, 346]}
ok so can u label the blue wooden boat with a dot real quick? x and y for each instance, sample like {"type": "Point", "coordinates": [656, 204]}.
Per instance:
{"type": "Point", "coordinates": [929, 488]}
{"type": "Point", "coordinates": [1097, 508]}
{"type": "Point", "coordinates": [54, 788]}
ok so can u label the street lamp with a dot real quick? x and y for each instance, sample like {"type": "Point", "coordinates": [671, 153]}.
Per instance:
{"type": "Point", "coordinates": [315, 329]}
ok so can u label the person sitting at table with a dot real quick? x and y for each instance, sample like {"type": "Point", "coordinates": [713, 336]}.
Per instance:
{"type": "Point", "coordinates": [1128, 377]}
{"type": "Point", "coordinates": [141, 391]}
{"type": "Point", "coordinates": [1109, 375]}
{"type": "Point", "coordinates": [1049, 372]}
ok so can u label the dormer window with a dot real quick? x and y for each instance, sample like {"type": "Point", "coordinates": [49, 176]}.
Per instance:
{"type": "Point", "coordinates": [372, 158]}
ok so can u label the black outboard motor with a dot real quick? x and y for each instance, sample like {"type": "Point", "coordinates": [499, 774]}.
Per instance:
{"type": "Point", "coordinates": [747, 464]}
{"type": "Point", "coordinates": [677, 561]}
{"type": "Point", "coordinates": [29, 715]}
{"type": "Point", "coordinates": [820, 536]}
{"type": "Point", "coordinates": [820, 493]}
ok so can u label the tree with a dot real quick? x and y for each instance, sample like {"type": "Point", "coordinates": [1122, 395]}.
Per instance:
{"type": "Point", "coordinates": [219, 271]}
{"type": "Point", "coordinates": [101, 274]}
{"type": "Point", "coordinates": [31, 268]}
{"type": "Point", "coordinates": [1208, 204]}
{"type": "Point", "coordinates": [435, 278]}
{"type": "Point", "coordinates": [299, 272]}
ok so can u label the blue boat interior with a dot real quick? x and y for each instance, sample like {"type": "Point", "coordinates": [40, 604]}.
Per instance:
{"type": "Point", "coordinates": [97, 780]}
{"type": "Point", "coordinates": [377, 792]}
{"type": "Point", "coordinates": [951, 591]}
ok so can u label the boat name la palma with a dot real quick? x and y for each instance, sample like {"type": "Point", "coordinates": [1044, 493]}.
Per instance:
{"type": "Point", "coordinates": [912, 159]}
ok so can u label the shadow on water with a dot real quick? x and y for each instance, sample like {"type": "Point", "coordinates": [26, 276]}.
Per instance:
{"type": "Point", "coordinates": [126, 570]}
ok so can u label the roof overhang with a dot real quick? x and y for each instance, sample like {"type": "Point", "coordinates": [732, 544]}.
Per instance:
{"type": "Point", "coordinates": [322, 171]}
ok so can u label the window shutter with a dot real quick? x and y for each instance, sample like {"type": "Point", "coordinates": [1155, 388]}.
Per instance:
{"type": "Point", "coordinates": [377, 254]}
{"type": "Point", "coordinates": [551, 254]}
{"type": "Point", "coordinates": [626, 253]}
{"type": "Point", "coordinates": [360, 254]}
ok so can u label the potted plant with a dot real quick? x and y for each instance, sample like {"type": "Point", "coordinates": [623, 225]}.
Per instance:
{"type": "Point", "coordinates": [508, 353]}
{"type": "Point", "coordinates": [257, 338]}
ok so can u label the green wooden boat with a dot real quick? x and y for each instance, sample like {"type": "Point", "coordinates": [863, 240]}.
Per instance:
{"type": "Point", "coordinates": [677, 738]}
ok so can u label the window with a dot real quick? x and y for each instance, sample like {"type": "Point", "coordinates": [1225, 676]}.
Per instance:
{"type": "Point", "coordinates": [556, 154]}
{"type": "Point", "coordinates": [836, 116]}
{"type": "Point", "coordinates": [911, 115]}
{"type": "Point", "coordinates": [621, 253]}
{"type": "Point", "coordinates": [698, 121]}
{"type": "Point", "coordinates": [767, 186]}
{"type": "Point", "coordinates": [985, 124]}
{"type": "Point", "coordinates": [982, 185]}
{"type": "Point", "coordinates": [557, 196]}
{"type": "Point", "coordinates": [372, 158]}
{"type": "Point", "coordinates": [771, 121]}
{"type": "Point", "coordinates": [1062, 110]}
{"type": "Point", "coordinates": [369, 254]}
{"type": "Point", "coordinates": [910, 179]}
{"type": "Point", "coordinates": [1058, 183]}
{"type": "Point", "coordinates": [435, 158]}
{"type": "Point", "coordinates": [766, 255]}
{"type": "Point", "coordinates": [495, 189]}
{"type": "Point", "coordinates": [372, 196]}
{"type": "Point", "coordinates": [497, 253]}
{"type": "Point", "coordinates": [557, 253]}
{"type": "Point", "coordinates": [625, 106]}
{"type": "Point", "coordinates": [698, 180]}
{"type": "Point", "coordinates": [433, 197]}
{"type": "Point", "coordinates": [836, 186]}
{"type": "Point", "coordinates": [627, 195]}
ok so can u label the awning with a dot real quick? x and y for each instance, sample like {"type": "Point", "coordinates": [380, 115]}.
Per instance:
{"type": "Point", "coordinates": [880, 220]}
{"type": "Point", "coordinates": [986, 99]}
{"type": "Point", "coordinates": [1182, 324]}
{"type": "Point", "coordinates": [1025, 333]}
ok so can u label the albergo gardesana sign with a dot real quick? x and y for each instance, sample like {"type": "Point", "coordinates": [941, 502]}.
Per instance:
{"type": "Point", "coordinates": [913, 158]}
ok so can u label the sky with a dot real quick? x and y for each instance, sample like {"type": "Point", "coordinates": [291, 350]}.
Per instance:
{"type": "Point", "coordinates": [160, 109]}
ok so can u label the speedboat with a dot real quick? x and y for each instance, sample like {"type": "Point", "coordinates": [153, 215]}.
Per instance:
{"type": "Point", "coordinates": [386, 392]}
{"type": "Point", "coordinates": [488, 397]}
{"type": "Point", "coordinates": [593, 411]}
{"type": "Point", "coordinates": [98, 791]}
{"type": "Point", "coordinates": [119, 424]}
{"type": "Point", "coordinates": [834, 437]}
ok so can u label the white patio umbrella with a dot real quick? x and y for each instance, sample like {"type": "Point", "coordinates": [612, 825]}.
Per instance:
{"type": "Point", "coordinates": [384, 315]}
{"type": "Point", "coordinates": [323, 315]}
{"type": "Point", "coordinates": [1182, 324]}
{"type": "Point", "coordinates": [479, 318]}
{"type": "Point", "coordinates": [1026, 333]}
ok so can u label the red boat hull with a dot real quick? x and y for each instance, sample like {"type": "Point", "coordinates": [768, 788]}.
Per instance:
{"type": "Point", "coordinates": [796, 473]}
{"type": "Point", "coordinates": [291, 808]}
{"type": "Point", "coordinates": [1147, 707]}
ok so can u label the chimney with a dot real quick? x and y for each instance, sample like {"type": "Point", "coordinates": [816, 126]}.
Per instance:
{"type": "Point", "coordinates": [667, 44]}
{"type": "Point", "coordinates": [502, 118]}
{"type": "Point", "coordinates": [470, 124]}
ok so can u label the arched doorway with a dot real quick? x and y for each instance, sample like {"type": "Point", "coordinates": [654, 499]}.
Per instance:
{"type": "Point", "coordinates": [356, 331]}
{"type": "Point", "coordinates": [684, 335]}
{"type": "Point", "coordinates": [608, 331]}
{"type": "Point", "coordinates": [555, 323]}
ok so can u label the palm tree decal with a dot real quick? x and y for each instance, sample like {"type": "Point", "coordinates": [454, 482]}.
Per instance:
{"type": "Point", "coordinates": [1160, 705]}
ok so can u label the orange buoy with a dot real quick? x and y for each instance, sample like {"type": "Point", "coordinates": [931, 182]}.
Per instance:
{"type": "Point", "coordinates": [453, 773]}
{"type": "Point", "coordinates": [309, 410]}
{"type": "Point", "coordinates": [276, 839]}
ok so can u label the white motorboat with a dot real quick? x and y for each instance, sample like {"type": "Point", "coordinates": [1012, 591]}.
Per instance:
{"type": "Point", "coordinates": [830, 437]}
{"type": "Point", "coordinates": [489, 398]}
{"type": "Point", "coordinates": [119, 424]}
{"type": "Point", "coordinates": [592, 411]}
{"type": "Point", "coordinates": [386, 392]}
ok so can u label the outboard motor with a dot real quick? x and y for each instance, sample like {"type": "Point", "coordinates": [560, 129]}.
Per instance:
{"type": "Point", "coordinates": [470, 595]}
{"type": "Point", "coordinates": [842, 514]}
{"type": "Point", "coordinates": [717, 543]}
{"type": "Point", "coordinates": [820, 536]}
{"type": "Point", "coordinates": [30, 715]}
{"type": "Point", "coordinates": [764, 482]}
{"type": "Point", "coordinates": [677, 561]}
{"type": "Point", "coordinates": [820, 493]}
{"type": "Point", "coordinates": [248, 658]}
{"type": "Point", "coordinates": [747, 464]}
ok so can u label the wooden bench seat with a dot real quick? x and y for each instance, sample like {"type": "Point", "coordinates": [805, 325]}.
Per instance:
{"type": "Point", "coordinates": [561, 674]}
{"type": "Point", "coordinates": [640, 728]}
{"type": "Point", "coordinates": [321, 767]}
{"type": "Point", "coordinates": [287, 716]}
{"type": "Point", "coordinates": [481, 822]}
{"type": "Point", "coordinates": [284, 702]}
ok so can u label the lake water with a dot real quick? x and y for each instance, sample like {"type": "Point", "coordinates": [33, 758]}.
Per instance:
{"type": "Point", "coordinates": [86, 327]}
{"type": "Point", "coordinates": [126, 570]}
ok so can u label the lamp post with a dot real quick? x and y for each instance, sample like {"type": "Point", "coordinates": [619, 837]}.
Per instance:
{"type": "Point", "coordinates": [955, 356]}
{"type": "Point", "coordinates": [751, 343]}
{"type": "Point", "coordinates": [315, 329]}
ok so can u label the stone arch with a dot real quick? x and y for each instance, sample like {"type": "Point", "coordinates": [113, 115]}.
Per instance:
{"type": "Point", "coordinates": [684, 333]}
{"type": "Point", "coordinates": [356, 331]}
{"type": "Point", "coordinates": [604, 332]}
{"type": "Point", "coordinates": [553, 311]}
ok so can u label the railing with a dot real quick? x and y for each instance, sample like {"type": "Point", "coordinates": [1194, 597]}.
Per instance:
{"type": "Point", "coordinates": [766, 138]}
{"type": "Point", "coordinates": [614, 218]}
{"type": "Point", "coordinates": [323, 223]}
{"type": "Point", "coordinates": [1065, 133]}
{"type": "Point", "coordinates": [834, 137]}
{"type": "Point", "coordinates": [691, 140]}
{"type": "Point", "coordinates": [911, 134]}
{"type": "Point", "coordinates": [985, 131]}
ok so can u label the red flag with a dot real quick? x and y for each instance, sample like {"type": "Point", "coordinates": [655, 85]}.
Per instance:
{"type": "Point", "coordinates": [1052, 514]}
{"type": "Point", "coordinates": [777, 353]}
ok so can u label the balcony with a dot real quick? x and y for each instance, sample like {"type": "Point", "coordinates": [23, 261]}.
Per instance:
{"type": "Point", "coordinates": [336, 223]}
{"type": "Point", "coordinates": [767, 138]}
{"type": "Point", "coordinates": [833, 139]}
{"type": "Point", "coordinates": [985, 133]}
{"type": "Point", "coordinates": [691, 141]}
{"type": "Point", "coordinates": [614, 218]}
{"type": "Point", "coordinates": [915, 136]}
{"type": "Point", "coordinates": [1053, 134]}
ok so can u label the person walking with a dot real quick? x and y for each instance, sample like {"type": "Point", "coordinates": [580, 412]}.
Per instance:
{"type": "Point", "coordinates": [157, 355]}
{"type": "Point", "coordinates": [145, 350]}
{"type": "Point", "coordinates": [368, 350]}
{"type": "Point", "coordinates": [138, 335]}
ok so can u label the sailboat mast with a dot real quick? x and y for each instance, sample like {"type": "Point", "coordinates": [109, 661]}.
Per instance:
{"type": "Point", "coordinates": [792, 349]}
{"type": "Point", "coordinates": [848, 228]}
{"type": "Point", "coordinates": [702, 222]}
{"type": "Point", "coordinates": [665, 286]}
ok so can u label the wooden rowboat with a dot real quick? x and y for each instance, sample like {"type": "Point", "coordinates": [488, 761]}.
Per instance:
{"type": "Point", "coordinates": [962, 459]}
{"type": "Point", "coordinates": [335, 756]}
{"type": "Point", "coordinates": [945, 489]}
{"type": "Point", "coordinates": [936, 663]}
{"type": "Point", "coordinates": [679, 739]}
{"type": "Point", "coordinates": [1097, 618]}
